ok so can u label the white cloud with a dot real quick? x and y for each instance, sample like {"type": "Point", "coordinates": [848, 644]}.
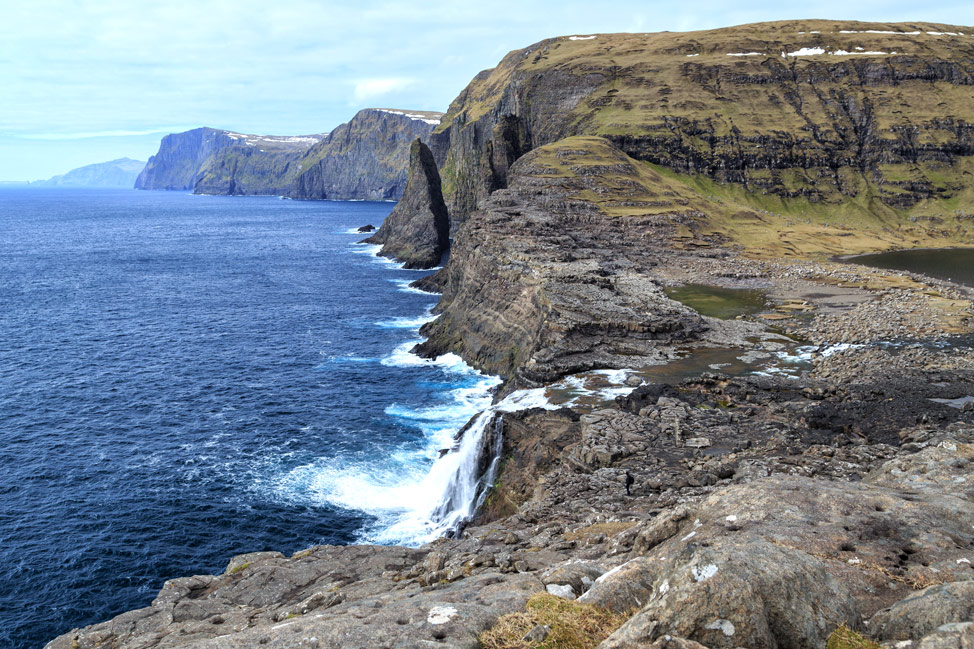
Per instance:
{"type": "Point", "coordinates": [366, 89]}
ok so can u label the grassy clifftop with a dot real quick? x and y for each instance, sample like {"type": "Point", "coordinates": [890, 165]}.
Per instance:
{"type": "Point", "coordinates": [764, 225]}
{"type": "Point", "coordinates": [862, 120]}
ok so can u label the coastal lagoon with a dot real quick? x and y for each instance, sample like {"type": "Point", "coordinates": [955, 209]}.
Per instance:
{"type": "Point", "coordinates": [954, 264]}
{"type": "Point", "coordinates": [184, 378]}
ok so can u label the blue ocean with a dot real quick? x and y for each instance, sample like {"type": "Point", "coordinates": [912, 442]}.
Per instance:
{"type": "Point", "coordinates": [184, 378]}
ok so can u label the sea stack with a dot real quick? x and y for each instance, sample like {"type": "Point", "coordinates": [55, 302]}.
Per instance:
{"type": "Point", "coordinates": [417, 232]}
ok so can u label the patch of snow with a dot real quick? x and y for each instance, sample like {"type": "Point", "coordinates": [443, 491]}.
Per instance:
{"type": "Point", "coordinates": [689, 536]}
{"type": "Point", "coordinates": [724, 626]}
{"type": "Point", "coordinates": [745, 54]}
{"type": "Point", "coordinates": [945, 33]}
{"type": "Point", "coordinates": [441, 614]}
{"type": "Point", "coordinates": [807, 51]}
{"type": "Point", "coordinates": [689, 56]}
{"type": "Point", "coordinates": [877, 31]}
{"type": "Point", "coordinates": [664, 587]}
{"type": "Point", "coordinates": [704, 573]}
{"type": "Point", "coordinates": [580, 38]}
{"type": "Point", "coordinates": [967, 561]}
{"type": "Point", "coordinates": [854, 561]}
{"type": "Point", "coordinates": [858, 52]}
{"type": "Point", "coordinates": [731, 519]}
{"type": "Point", "coordinates": [417, 117]}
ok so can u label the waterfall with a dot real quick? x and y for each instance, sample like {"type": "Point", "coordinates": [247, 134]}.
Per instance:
{"type": "Point", "coordinates": [463, 477]}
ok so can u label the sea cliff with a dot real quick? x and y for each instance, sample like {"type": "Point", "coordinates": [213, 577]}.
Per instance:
{"type": "Point", "coordinates": [365, 159]}
{"type": "Point", "coordinates": [809, 487]}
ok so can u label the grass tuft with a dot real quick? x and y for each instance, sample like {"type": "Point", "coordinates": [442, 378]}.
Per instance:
{"type": "Point", "coordinates": [573, 625]}
{"type": "Point", "coordinates": [846, 638]}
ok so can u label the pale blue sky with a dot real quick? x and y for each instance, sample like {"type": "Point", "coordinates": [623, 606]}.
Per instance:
{"type": "Point", "coordinates": [89, 81]}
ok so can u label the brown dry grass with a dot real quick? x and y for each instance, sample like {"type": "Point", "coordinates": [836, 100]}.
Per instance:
{"type": "Point", "coordinates": [846, 638]}
{"type": "Point", "coordinates": [573, 625]}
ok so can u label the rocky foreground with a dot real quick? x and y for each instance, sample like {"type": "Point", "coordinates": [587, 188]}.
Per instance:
{"type": "Point", "coordinates": [733, 512]}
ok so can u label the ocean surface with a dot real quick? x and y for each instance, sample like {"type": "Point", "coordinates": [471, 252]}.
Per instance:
{"type": "Point", "coordinates": [185, 378]}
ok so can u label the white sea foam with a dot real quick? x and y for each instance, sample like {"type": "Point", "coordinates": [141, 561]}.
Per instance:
{"type": "Point", "coordinates": [404, 286]}
{"type": "Point", "coordinates": [406, 323]}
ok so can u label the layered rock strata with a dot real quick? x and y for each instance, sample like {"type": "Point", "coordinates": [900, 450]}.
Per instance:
{"type": "Point", "coordinates": [542, 281]}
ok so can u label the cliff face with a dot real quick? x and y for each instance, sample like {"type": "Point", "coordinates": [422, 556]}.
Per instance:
{"type": "Point", "coordinates": [543, 281]}
{"type": "Point", "coordinates": [819, 113]}
{"type": "Point", "coordinates": [418, 230]}
{"type": "Point", "coordinates": [365, 159]}
{"type": "Point", "coordinates": [115, 173]}
{"type": "Point", "coordinates": [213, 161]}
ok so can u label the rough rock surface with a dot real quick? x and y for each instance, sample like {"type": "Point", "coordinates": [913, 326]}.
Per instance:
{"type": "Point", "coordinates": [787, 526]}
{"type": "Point", "coordinates": [417, 232]}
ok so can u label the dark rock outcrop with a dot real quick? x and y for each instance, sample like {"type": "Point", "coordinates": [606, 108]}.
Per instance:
{"type": "Point", "coordinates": [417, 232]}
{"type": "Point", "coordinates": [365, 159]}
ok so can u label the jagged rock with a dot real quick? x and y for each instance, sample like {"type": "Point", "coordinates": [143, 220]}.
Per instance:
{"type": "Point", "coordinates": [541, 283]}
{"type": "Point", "coordinates": [367, 228]}
{"type": "Point", "coordinates": [577, 576]}
{"type": "Point", "coordinates": [215, 161]}
{"type": "Point", "coordinates": [624, 588]}
{"type": "Point", "coordinates": [744, 592]}
{"type": "Point", "coordinates": [920, 614]}
{"type": "Point", "coordinates": [417, 232]}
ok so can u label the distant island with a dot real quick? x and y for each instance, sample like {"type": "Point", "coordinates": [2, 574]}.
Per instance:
{"type": "Point", "coordinates": [120, 173]}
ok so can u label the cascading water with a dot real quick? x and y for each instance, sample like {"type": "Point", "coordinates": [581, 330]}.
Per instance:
{"type": "Point", "coordinates": [458, 476]}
